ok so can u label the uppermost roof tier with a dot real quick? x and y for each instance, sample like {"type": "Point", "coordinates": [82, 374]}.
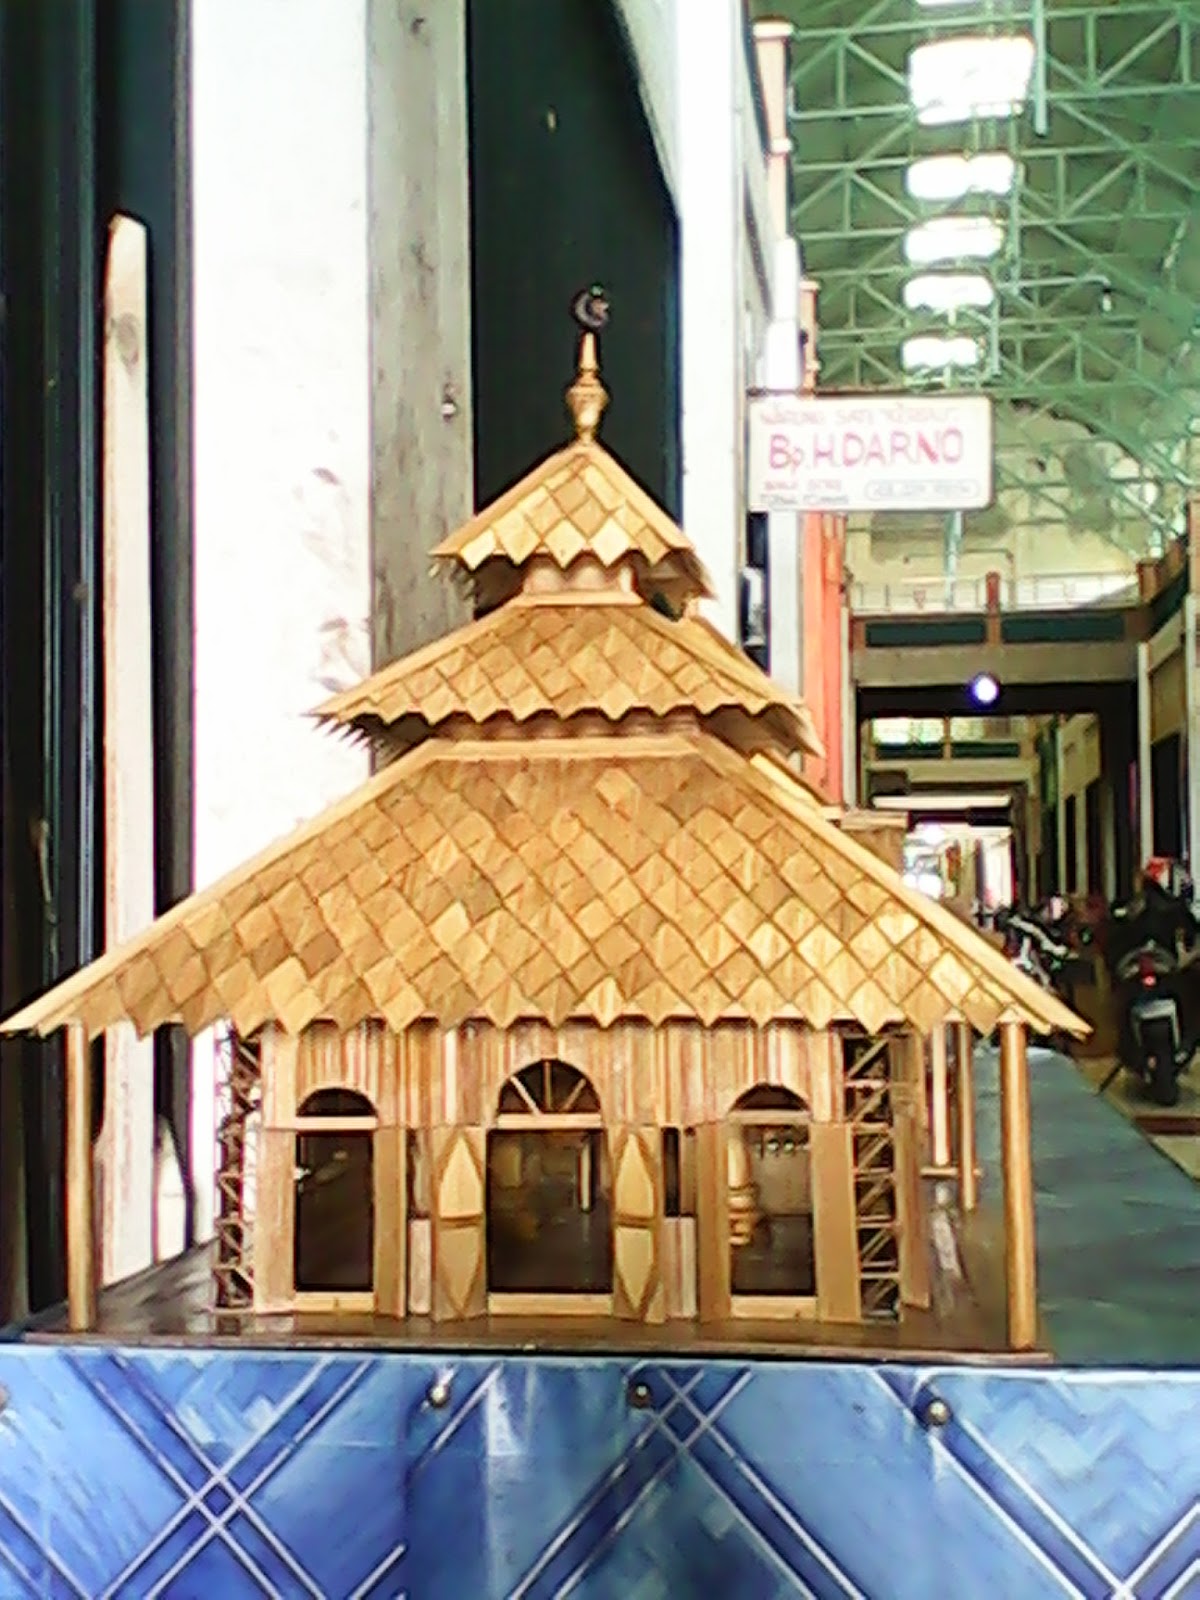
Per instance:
{"type": "Point", "coordinates": [579, 502]}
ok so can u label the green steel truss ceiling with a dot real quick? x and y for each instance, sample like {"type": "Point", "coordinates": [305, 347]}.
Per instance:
{"type": "Point", "coordinates": [1083, 320]}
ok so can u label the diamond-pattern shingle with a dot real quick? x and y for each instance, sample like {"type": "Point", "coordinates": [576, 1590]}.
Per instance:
{"type": "Point", "coordinates": [647, 877]}
{"type": "Point", "coordinates": [566, 654]}
{"type": "Point", "coordinates": [579, 501]}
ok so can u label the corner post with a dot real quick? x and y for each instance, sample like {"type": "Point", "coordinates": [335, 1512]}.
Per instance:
{"type": "Point", "coordinates": [1020, 1258]}
{"type": "Point", "coordinates": [81, 1239]}
{"type": "Point", "coordinates": [968, 1186]}
{"type": "Point", "coordinates": [939, 1104]}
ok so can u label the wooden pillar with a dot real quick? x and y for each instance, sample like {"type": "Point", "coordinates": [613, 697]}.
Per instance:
{"type": "Point", "coordinates": [1016, 1148]}
{"type": "Point", "coordinates": [835, 1222]}
{"type": "Point", "coordinates": [939, 1099]}
{"type": "Point", "coordinates": [968, 1185]}
{"type": "Point", "coordinates": [915, 1286]}
{"type": "Point", "coordinates": [81, 1239]}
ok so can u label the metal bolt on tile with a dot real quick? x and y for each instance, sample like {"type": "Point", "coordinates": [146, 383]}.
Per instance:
{"type": "Point", "coordinates": [438, 1393]}
{"type": "Point", "coordinates": [935, 1413]}
{"type": "Point", "coordinates": [640, 1396]}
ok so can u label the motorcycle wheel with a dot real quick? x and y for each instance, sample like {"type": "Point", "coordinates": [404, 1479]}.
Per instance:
{"type": "Point", "coordinates": [1160, 1065]}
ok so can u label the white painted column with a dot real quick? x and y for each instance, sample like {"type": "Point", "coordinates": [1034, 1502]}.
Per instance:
{"type": "Point", "coordinates": [712, 306]}
{"type": "Point", "coordinates": [1145, 767]}
{"type": "Point", "coordinates": [1191, 738]}
{"type": "Point", "coordinates": [781, 371]}
{"type": "Point", "coordinates": [124, 1158]}
{"type": "Point", "coordinates": [282, 427]}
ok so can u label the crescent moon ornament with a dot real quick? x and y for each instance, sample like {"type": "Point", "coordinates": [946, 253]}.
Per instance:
{"type": "Point", "coordinates": [590, 308]}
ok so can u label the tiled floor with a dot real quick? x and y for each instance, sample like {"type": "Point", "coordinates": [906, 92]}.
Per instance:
{"type": "Point", "coordinates": [1118, 1225]}
{"type": "Point", "coordinates": [1182, 1143]}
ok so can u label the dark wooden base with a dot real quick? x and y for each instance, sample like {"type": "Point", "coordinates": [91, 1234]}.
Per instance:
{"type": "Point", "coordinates": [172, 1305]}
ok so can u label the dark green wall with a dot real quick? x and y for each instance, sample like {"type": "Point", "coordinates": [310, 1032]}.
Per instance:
{"type": "Point", "coordinates": [92, 119]}
{"type": "Point", "coordinates": [566, 191]}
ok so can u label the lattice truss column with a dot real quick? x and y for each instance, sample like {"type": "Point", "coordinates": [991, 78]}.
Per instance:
{"type": "Point", "coordinates": [867, 1079]}
{"type": "Point", "coordinates": [239, 1104]}
{"type": "Point", "coordinates": [1094, 319]}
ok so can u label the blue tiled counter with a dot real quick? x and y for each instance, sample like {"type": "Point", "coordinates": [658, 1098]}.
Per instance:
{"type": "Point", "coordinates": [238, 1472]}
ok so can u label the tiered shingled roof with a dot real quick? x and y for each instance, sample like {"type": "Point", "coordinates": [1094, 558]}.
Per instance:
{"type": "Point", "coordinates": [648, 877]}
{"type": "Point", "coordinates": [650, 874]}
{"type": "Point", "coordinates": [579, 502]}
{"type": "Point", "coordinates": [564, 655]}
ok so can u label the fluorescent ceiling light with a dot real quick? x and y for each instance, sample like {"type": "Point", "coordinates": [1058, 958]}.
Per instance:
{"type": "Point", "coordinates": [951, 177]}
{"type": "Point", "coordinates": [957, 80]}
{"type": "Point", "coordinates": [953, 239]}
{"type": "Point", "coordinates": [948, 291]}
{"type": "Point", "coordinates": [931, 351]}
{"type": "Point", "coordinates": [941, 5]}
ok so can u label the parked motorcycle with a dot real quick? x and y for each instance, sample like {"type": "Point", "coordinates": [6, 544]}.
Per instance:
{"type": "Point", "coordinates": [1156, 987]}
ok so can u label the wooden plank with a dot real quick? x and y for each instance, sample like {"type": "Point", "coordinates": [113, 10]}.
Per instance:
{"type": "Point", "coordinates": [391, 1221]}
{"type": "Point", "coordinates": [550, 1305]}
{"type": "Point", "coordinates": [420, 1267]}
{"type": "Point", "coordinates": [637, 1200]}
{"type": "Point", "coordinates": [712, 1221]}
{"type": "Point", "coordinates": [458, 1241]}
{"type": "Point", "coordinates": [126, 1148]}
{"type": "Point", "coordinates": [835, 1235]}
{"type": "Point", "coordinates": [275, 1221]}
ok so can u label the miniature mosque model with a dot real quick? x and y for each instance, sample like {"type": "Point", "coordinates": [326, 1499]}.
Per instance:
{"type": "Point", "coordinates": [584, 1004]}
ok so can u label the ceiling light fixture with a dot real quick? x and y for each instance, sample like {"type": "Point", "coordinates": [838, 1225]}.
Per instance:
{"type": "Point", "coordinates": [952, 177]}
{"type": "Point", "coordinates": [960, 80]}
{"type": "Point", "coordinates": [947, 292]}
{"type": "Point", "coordinates": [984, 689]}
{"type": "Point", "coordinates": [932, 352]}
{"type": "Point", "coordinates": [953, 239]}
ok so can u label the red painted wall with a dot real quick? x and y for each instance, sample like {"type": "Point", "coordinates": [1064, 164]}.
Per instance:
{"type": "Point", "coordinates": [823, 555]}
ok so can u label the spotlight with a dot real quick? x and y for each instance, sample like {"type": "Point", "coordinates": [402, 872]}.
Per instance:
{"type": "Point", "coordinates": [984, 689]}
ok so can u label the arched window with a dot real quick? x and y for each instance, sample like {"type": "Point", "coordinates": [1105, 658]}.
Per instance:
{"type": "Point", "coordinates": [549, 1212]}
{"type": "Point", "coordinates": [335, 1193]}
{"type": "Point", "coordinates": [549, 1088]}
{"type": "Point", "coordinates": [770, 1195]}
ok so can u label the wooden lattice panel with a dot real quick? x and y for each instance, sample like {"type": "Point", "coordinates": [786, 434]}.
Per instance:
{"type": "Point", "coordinates": [578, 502]}
{"type": "Point", "coordinates": [867, 1078]}
{"type": "Point", "coordinates": [648, 878]}
{"type": "Point", "coordinates": [565, 655]}
{"type": "Point", "coordinates": [239, 1099]}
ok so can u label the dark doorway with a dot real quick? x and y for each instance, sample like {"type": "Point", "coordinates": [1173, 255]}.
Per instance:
{"type": "Point", "coordinates": [1166, 767]}
{"type": "Point", "coordinates": [335, 1195]}
{"type": "Point", "coordinates": [770, 1195]}
{"type": "Point", "coordinates": [549, 1206]}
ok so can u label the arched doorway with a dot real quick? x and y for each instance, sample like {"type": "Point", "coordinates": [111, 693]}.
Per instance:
{"type": "Point", "coordinates": [549, 1212]}
{"type": "Point", "coordinates": [771, 1242]}
{"type": "Point", "coordinates": [335, 1194]}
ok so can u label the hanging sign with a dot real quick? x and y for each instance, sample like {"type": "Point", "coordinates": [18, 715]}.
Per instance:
{"type": "Point", "coordinates": [870, 452]}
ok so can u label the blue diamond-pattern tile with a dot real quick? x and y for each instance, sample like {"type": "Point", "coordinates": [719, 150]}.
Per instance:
{"type": "Point", "coordinates": [1115, 1454]}
{"type": "Point", "coordinates": [330, 1474]}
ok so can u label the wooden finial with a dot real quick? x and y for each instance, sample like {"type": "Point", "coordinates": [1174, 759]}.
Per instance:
{"type": "Point", "coordinates": [587, 397]}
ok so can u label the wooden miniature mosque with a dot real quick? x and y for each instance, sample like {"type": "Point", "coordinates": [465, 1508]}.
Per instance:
{"type": "Point", "coordinates": [584, 1005]}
